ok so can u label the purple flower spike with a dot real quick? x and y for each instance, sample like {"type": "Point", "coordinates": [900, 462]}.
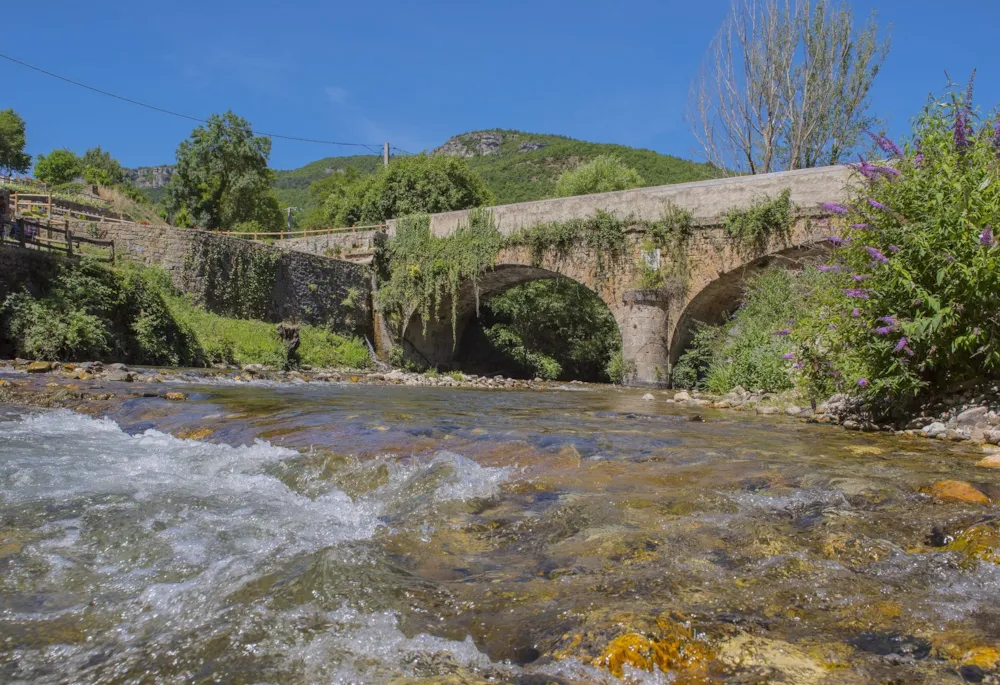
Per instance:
{"type": "Point", "coordinates": [832, 327]}
{"type": "Point", "coordinates": [856, 313]}
{"type": "Point", "coordinates": [996, 135]}
{"type": "Point", "coordinates": [875, 203]}
{"type": "Point", "coordinates": [835, 208]}
{"type": "Point", "coordinates": [900, 345]}
{"type": "Point", "coordinates": [789, 355]}
{"type": "Point", "coordinates": [860, 227]}
{"type": "Point", "coordinates": [877, 256]}
{"type": "Point", "coordinates": [783, 331]}
{"type": "Point", "coordinates": [863, 382]}
{"type": "Point", "coordinates": [856, 293]}
{"type": "Point", "coordinates": [886, 144]}
{"type": "Point", "coordinates": [829, 267]}
{"type": "Point", "coordinates": [961, 129]}
{"type": "Point", "coordinates": [986, 237]}
{"type": "Point", "coordinates": [918, 161]}
{"type": "Point", "coordinates": [798, 365]}
{"type": "Point", "coordinates": [860, 278]}
{"type": "Point", "coordinates": [885, 330]}
{"type": "Point", "coordinates": [893, 249]}
{"type": "Point", "coordinates": [835, 240]}
{"type": "Point", "coordinates": [888, 319]}
{"type": "Point", "coordinates": [887, 171]}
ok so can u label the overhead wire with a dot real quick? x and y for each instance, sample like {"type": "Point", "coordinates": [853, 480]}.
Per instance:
{"type": "Point", "coordinates": [371, 148]}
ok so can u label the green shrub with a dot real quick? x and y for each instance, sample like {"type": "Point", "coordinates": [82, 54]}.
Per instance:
{"type": "Point", "coordinates": [602, 174]}
{"type": "Point", "coordinates": [620, 370]}
{"type": "Point", "coordinates": [914, 301]}
{"type": "Point", "coordinates": [322, 349]}
{"type": "Point", "coordinates": [752, 228]}
{"type": "Point", "coordinates": [750, 349]}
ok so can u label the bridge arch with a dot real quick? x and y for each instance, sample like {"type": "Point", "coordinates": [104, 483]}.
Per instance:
{"type": "Point", "coordinates": [715, 300]}
{"type": "Point", "coordinates": [435, 342]}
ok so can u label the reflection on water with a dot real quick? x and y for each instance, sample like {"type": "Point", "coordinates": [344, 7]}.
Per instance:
{"type": "Point", "coordinates": [377, 534]}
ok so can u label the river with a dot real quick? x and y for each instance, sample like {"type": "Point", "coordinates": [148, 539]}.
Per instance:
{"type": "Point", "coordinates": [351, 534]}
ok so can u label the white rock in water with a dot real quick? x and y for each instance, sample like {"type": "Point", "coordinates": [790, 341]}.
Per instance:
{"type": "Point", "coordinates": [682, 396]}
{"type": "Point", "coordinates": [648, 396]}
{"type": "Point", "coordinates": [934, 429]}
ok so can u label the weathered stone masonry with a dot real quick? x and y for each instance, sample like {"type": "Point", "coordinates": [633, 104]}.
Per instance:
{"type": "Point", "coordinates": [307, 288]}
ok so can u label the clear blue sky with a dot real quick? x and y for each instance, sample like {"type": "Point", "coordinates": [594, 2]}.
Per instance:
{"type": "Point", "coordinates": [415, 73]}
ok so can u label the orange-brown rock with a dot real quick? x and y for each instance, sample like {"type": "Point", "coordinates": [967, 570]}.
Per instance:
{"type": "Point", "coordinates": [956, 491]}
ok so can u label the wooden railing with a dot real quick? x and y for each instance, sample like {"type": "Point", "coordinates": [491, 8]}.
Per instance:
{"type": "Point", "coordinates": [27, 232]}
{"type": "Point", "coordinates": [31, 203]}
{"type": "Point", "coordinates": [285, 235]}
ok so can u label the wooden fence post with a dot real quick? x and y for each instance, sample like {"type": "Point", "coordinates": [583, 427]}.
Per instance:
{"type": "Point", "coordinates": [69, 243]}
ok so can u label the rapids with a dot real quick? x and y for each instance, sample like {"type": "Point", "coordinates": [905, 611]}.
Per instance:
{"type": "Point", "coordinates": [355, 534]}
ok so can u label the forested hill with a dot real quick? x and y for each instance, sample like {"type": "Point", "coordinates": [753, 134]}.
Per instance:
{"type": "Point", "coordinates": [517, 166]}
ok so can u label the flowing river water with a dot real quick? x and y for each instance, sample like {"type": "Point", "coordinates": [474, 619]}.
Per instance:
{"type": "Point", "coordinates": [353, 534]}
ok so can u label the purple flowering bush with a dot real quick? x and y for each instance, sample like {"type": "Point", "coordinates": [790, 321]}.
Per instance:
{"type": "Point", "coordinates": [915, 304]}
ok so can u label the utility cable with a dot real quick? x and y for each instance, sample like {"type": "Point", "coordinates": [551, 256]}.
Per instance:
{"type": "Point", "coordinates": [370, 148]}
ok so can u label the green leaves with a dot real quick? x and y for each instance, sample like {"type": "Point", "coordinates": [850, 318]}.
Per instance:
{"type": "Point", "coordinates": [222, 178]}
{"type": "Point", "coordinates": [13, 159]}
{"type": "Point", "coordinates": [57, 167]}
{"type": "Point", "coordinates": [604, 173]}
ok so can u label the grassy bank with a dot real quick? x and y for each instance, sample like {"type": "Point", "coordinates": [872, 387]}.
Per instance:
{"type": "Point", "coordinates": [88, 311]}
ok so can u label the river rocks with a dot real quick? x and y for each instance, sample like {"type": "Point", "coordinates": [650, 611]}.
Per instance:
{"type": "Point", "coordinates": [39, 367]}
{"type": "Point", "coordinates": [970, 417]}
{"type": "Point", "coordinates": [793, 410]}
{"type": "Point", "coordinates": [956, 491]}
{"type": "Point", "coordinates": [175, 396]}
{"type": "Point", "coordinates": [776, 660]}
{"type": "Point", "coordinates": [648, 396]}
{"type": "Point", "coordinates": [118, 375]}
{"type": "Point", "coordinates": [682, 396]}
{"type": "Point", "coordinates": [992, 436]}
{"type": "Point", "coordinates": [934, 429]}
{"type": "Point", "coordinates": [981, 542]}
{"type": "Point", "coordinates": [767, 410]}
{"type": "Point", "coordinates": [670, 646]}
{"type": "Point", "coordinates": [990, 462]}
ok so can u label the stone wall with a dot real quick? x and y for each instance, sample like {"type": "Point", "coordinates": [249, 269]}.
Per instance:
{"type": "Point", "coordinates": [25, 268]}
{"type": "Point", "coordinates": [306, 287]}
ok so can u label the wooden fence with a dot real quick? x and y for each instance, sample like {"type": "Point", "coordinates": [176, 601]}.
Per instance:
{"type": "Point", "coordinates": [47, 206]}
{"type": "Point", "coordinates": [34, 233]}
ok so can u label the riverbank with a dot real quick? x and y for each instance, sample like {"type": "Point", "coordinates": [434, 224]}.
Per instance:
{"type": "Point", "coordinates": [971, 416]}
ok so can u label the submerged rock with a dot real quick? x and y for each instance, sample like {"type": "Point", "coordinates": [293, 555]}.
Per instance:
{"type": "Point", "coordinates": [39, 367]}
{"type": "Point", "coordinates": [956, 491]}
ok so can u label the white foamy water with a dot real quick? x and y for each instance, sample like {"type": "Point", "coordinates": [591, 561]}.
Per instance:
{"type": "Point", "coordinates": [151, 547]}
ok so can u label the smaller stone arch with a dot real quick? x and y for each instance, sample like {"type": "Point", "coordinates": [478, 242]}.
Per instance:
{"type": "Point", "coordinates": [719, 298]}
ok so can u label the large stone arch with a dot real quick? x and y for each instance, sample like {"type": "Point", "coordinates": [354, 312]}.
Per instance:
{"type": "Point", "coordinates": [435, 344]}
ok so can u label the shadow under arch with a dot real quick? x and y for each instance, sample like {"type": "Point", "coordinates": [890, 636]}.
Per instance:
{"type": "Point", "coordinates": [436, 344]}
{"type": "Point", "coordinates": [717, 300]}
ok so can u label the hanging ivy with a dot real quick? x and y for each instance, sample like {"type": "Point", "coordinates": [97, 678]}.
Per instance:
{"type": "Point", "coordinates": [238, 277]}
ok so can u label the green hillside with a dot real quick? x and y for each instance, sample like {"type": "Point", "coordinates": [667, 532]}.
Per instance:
{"type": "Point", "coordinates": [520, 167]}
{"type": "Point", "coordinates": [517, 166]}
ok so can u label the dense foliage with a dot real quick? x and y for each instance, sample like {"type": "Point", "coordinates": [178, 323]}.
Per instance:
{"type": "Point", "coordinates": [751, 229]}
{"type": "Point", "coordinates": [525, 167]}
{"type": "Point", "coordinates": [752, 348]}
{"type": "Point", "coordinates": [98, 166]}
{"type": "Point", "coordinates": [13, 159]}
{"type": "Point", "coordinates": [604, 173]}
{"type": "Point", "coordinates": [422, 273]}
{"type": "Point", "coordinates": [409, 185]}
{"type": "Point", "coordinates": [917, 270]}
{"type": "Point", "coordinates": [222, 181]}
{"type": "Point", "coordinates": [59, 166]}
{"type": "Point", "coordinates": [554, 328]}
{"type": "Point", "coordinates": [89, 311]}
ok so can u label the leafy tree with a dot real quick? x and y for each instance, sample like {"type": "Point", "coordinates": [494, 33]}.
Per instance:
{"type": "Point", "coordinates": [327, 196]}
{"type": "Point", "coordinates": [785, 86]}
{"type": "Point", "coordinates": [100, 167]}
{"type": "Point", "coordinates": [222, 179]}
{"type": "Point", "coordinates": [12, 141]}
{"type": "Point", "coordinates": [59, 166]}
{"type": "Point", "coordinates": [412, 185]}
{"type": "Point", "coordinates": [602, 174]}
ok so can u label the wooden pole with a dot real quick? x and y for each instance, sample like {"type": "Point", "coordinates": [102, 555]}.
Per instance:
{"type": "Point", "coordinates": [69, 243]}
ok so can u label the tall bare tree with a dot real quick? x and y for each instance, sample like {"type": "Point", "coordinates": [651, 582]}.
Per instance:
{"type": "Point", "coordinates": [785, 85]}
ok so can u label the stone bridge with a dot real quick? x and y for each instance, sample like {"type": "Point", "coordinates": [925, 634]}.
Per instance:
{"type": "Point", "coordinates": [708, 269]}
